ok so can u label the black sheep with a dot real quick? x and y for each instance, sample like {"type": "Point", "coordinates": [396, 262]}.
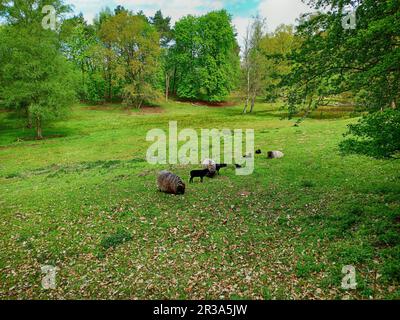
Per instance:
{"type": "Point", "coordinates": [198, 174]}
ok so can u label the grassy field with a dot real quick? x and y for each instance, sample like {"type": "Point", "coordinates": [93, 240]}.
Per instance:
{"type": "Point", "coordinates": [86, 202]}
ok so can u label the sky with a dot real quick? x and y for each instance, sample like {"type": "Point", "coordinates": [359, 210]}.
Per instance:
{"type": "Point", "coordinates": [276, 12]}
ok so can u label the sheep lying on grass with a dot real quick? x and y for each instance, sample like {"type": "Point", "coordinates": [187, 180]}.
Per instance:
{"type": "Point", "coordinates": [275, 154]}
{"type": "Point", "coordinates": [170, 183]}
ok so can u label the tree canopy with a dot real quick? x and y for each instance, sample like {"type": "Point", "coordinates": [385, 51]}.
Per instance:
{"type": "Point", "coordinates": [333, 60]}
{"type": "Point", "coordinates": [36, 82]}
{"type": "Point", "coordinates": [135, 45]}
{"type": "Point", "coordinates": [205, 56]}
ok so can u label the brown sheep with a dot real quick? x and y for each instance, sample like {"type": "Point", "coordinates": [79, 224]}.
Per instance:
{"type": "Point", "coordinates": [170, 183]}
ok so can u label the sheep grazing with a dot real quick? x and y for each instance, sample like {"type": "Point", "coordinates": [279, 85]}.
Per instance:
{"type": "Point", "coordinates": [198, 174]}
{"type": "Point", "coordinates": [170, 183]}
{"type": "Point", "coordinates": [275, 154]}
{"type": "Point", "coordinates": [211, 166]}
{"type": "Point", "coordinates": [258, 151]}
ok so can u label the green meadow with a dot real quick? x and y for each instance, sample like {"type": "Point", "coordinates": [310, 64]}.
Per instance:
{"type": "Point", "coordinates": [85, 201]}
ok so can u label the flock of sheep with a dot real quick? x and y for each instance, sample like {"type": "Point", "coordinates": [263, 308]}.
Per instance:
{"type": "Point", "coordinates": [170, 183]}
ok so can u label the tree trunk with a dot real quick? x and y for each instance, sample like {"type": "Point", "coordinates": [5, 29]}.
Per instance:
{"type": "Point", "coordinates": [253, 101]}
{"type": "Point", "coordinates": [248, 91]}
{"type": "Point", "coordinates": [28, 119]}
{"type": "Point", "coordinates": [83, 76]}
{"type": "Point", "coordinates": [39, 135]}
{"type": "Point", "coordinates": [174, 82]}
{"type": "Point", "coordinates": [110, 95]}
{"type": "Point", "coordinates": [394, 105]}
{"type": "Point", "coordinates": [140, 104]}
{"type": "Point", "coordinates": [166, 86]}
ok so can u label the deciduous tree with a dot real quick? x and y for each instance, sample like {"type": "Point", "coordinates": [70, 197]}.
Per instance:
{"type": "Point", "coordinates": [363, 59]}
{"type": "Point", "coordinates": [135, 44]}
{"type": "Point", "coordinates": [206, 56]}
{"type": "Point", "coordinates": [254, 63]}
{"type": "Point", "coordinates": [37, 81]}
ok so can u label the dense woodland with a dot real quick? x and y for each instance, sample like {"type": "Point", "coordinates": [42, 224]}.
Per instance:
{"type": "Point", "coordinates": [128, 57]}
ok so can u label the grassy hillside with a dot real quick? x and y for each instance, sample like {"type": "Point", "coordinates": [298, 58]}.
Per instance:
{"type": "Point", "coordinates": [85, 200]}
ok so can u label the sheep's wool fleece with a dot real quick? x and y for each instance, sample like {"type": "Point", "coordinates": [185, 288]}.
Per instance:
{"type": "Point", "coordinates": [276, 155]}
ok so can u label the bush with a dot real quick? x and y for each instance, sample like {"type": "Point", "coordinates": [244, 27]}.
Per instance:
{"type": "Point", "coordinates": [375, 135]}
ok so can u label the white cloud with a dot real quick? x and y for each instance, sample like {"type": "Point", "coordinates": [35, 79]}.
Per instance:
{"type": "Point", "coordinates": [241, 24]}
{"type": "Point", "coordinates": [282, 11]}
{"type": "Point", "coordinates": [90, 8]}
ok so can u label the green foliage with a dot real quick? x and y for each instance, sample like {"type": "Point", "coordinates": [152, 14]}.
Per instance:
{"type": "Point", "coordinates": [276, 47]}
{"type": "Point", "coordinates": [37, 81]}
{"type": "Point", "coordinates": [135, 46]}
{"type": "Point", "coordinates": [376, 135]}
{"type": "Point", "coordinates": [28, 12]}
{"type": "Point", "coordinates": [205, 56]}
{"type": "Point", "coordinates": [332, 60]}
{"type": "Point", "coordinates": [364, 61]}
{"type": "Point", "coordinates": [254, 63]}
{"type": "Point", "coordinates": [163, 27]}
{"type": "Point", "coordinates": [113, 69]}
{"type": "Point", "coordinates": [77, 41]}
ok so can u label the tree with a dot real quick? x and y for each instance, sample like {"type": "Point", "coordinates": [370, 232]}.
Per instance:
{"type": "Point", "coordinates": [77, 40]}
{"type": "Point", "coordinates": [254, 62]}
{"type": "Point", "coordinates": [163, 27]}
{"type": "Point", "coordinates": [206, 57]}
{"type": "Point", "coordinates": [276, 47]}
{"type": "Point", "coordinates": [135, 44]}
{"type": "Point", "coordinates": [120, 9]}
{"type": "Point", "coordinates": [333, 60]}
{"type": "Point", "coordinates": [377, 135]}
{"type": "Point", "coordinates": [2, 36]}
{"type": "Point", "coordinates": [104, 62]}
{"type": "Point", "coordinates": [27, 12]}
{"type": "Point", "coordinates": [37, 82]}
